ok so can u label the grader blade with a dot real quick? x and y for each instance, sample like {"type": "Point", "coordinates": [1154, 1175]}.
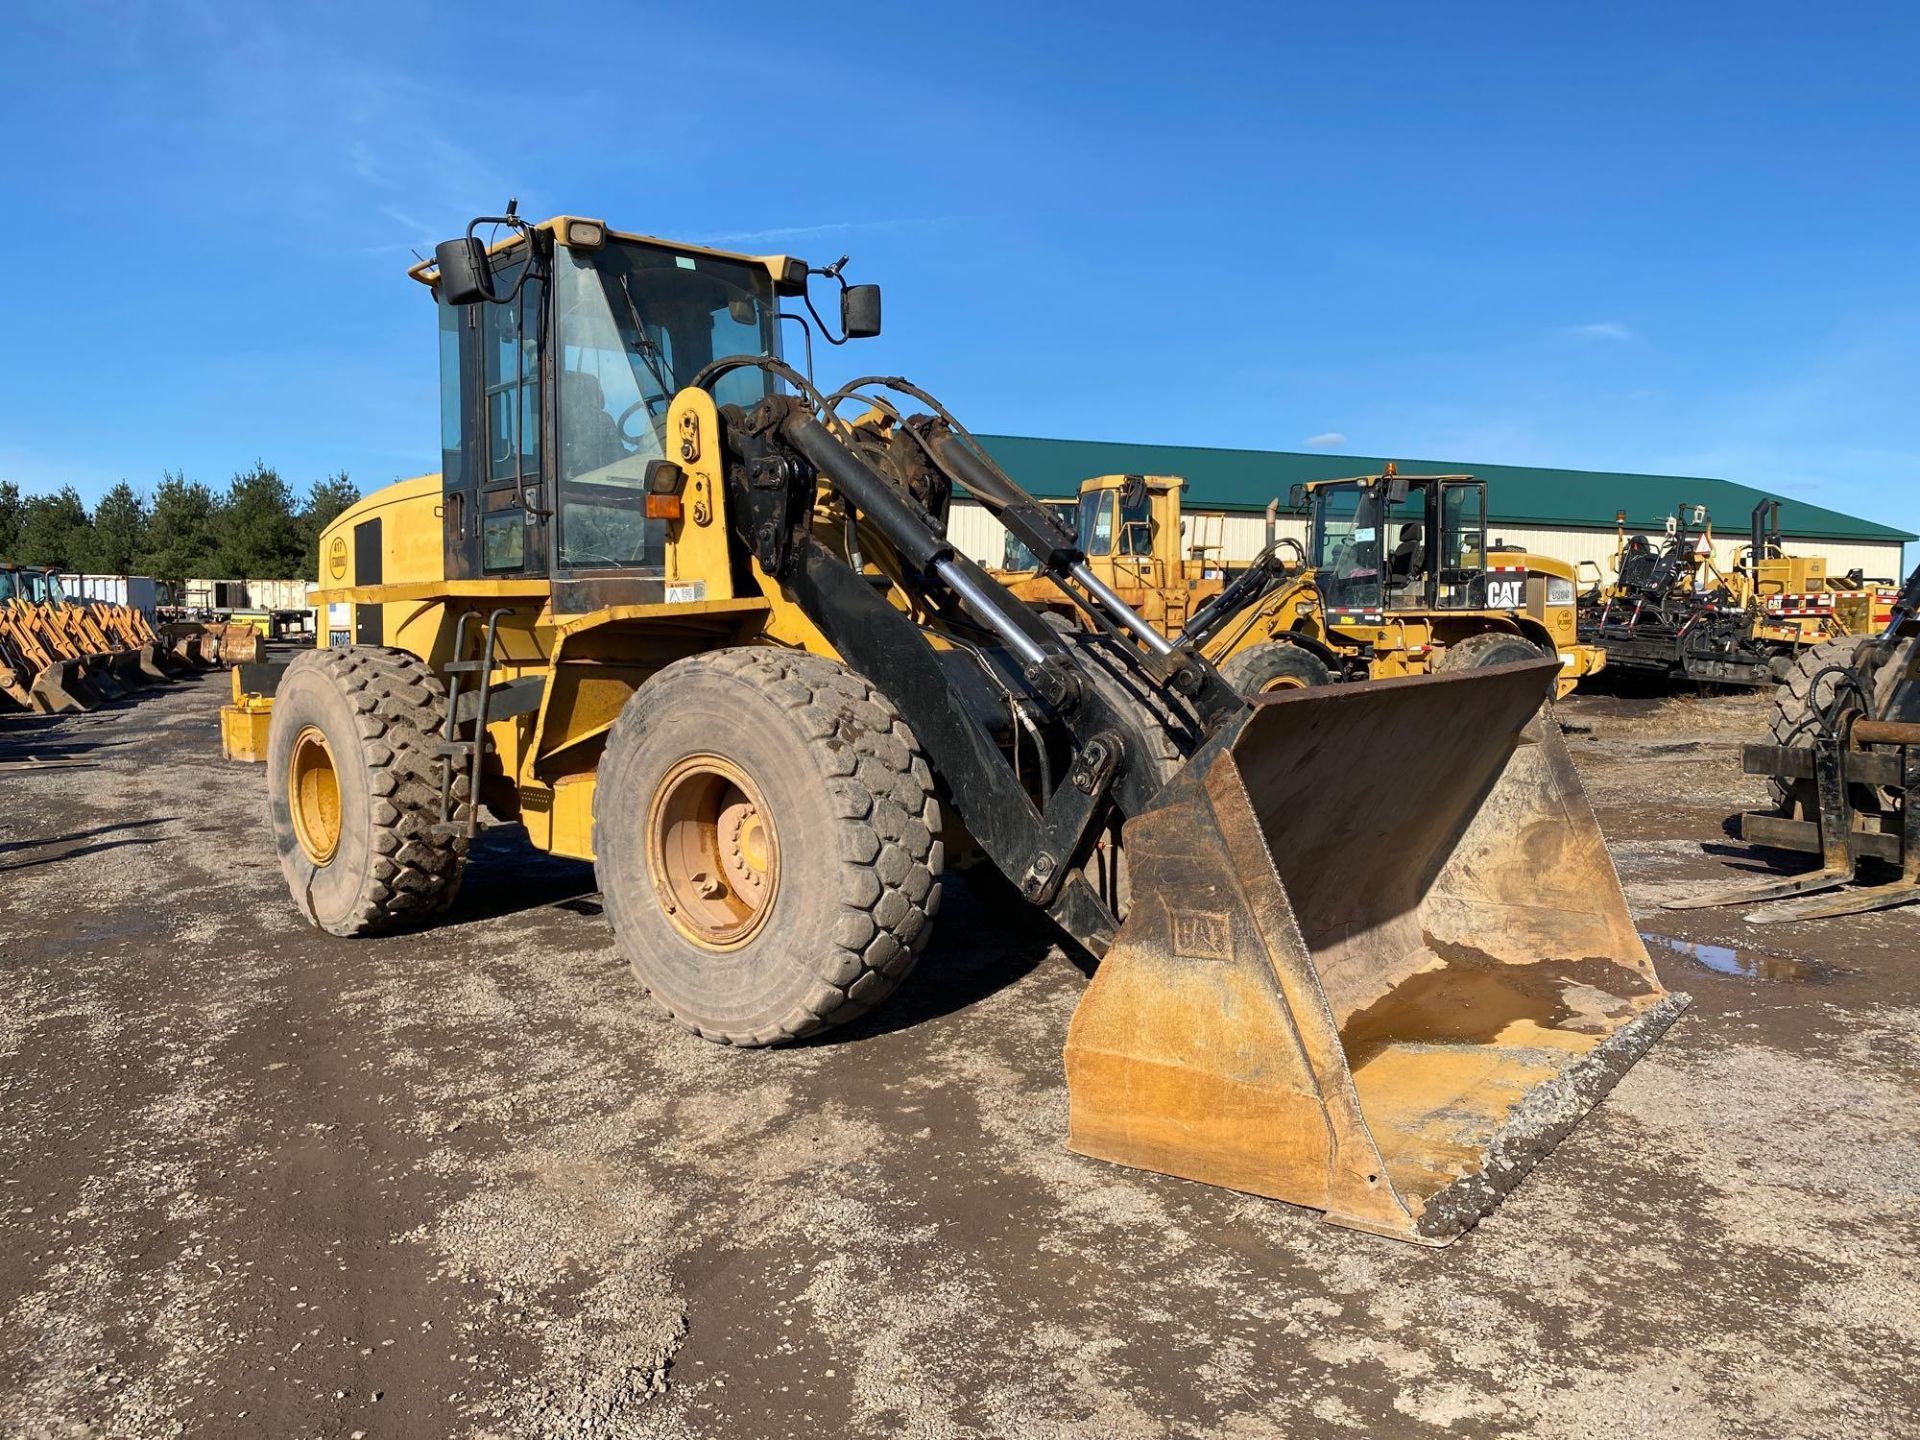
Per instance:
{"type": "Point", "coordinates": [1377, 962]}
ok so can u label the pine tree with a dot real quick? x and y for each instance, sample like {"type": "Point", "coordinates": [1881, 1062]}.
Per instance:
{"type": "Point", "coordinates": [180, 530]}
{"type": "Point", "coordinates": [54, 530]}
{"type": "Point", "coordinates": [259, 538]}
{"type": "Point", "coordinates": [119, 531]}
{"type": "Point", "coordinates": [10, 507]}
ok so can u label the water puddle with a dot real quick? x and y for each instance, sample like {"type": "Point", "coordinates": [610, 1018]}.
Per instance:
{"type": "Point", "coordinates": [1729, 960]}
{"type": "Point", "coordinates": [1473, 997]}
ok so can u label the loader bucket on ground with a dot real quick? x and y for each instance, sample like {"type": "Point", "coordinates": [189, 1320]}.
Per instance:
{"type": "Point", "coordinates": [150, 660]}
{"type": "Point", "coordinates": [125, 668]}
{"type": "Point", "coordinates": [1377, 961]}
{"type": "Point", "coordinates": [98, 670]}
{"type": "Point", "coordinates": [62, 687]}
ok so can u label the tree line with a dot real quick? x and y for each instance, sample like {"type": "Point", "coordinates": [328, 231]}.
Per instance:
{"type": "Point", "coordinates": [257, 530]}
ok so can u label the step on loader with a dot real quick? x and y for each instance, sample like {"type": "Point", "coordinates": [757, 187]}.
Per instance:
{"type": "Point", "coordinates": [692, 619]}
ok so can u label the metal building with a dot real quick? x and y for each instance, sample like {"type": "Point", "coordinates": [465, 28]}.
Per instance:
{"type": "Point", "coordinates": [1569, 514]}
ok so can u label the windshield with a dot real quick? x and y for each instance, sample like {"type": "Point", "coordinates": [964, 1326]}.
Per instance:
{"type": "Point", "coordinates": [1015, 556]}
{"type": "Point", "coordinates": [636, 323]}
{"type": "Point", "coordinates": [1346, 545]}
{"type": "Point", "coordinates": [1096, 527]}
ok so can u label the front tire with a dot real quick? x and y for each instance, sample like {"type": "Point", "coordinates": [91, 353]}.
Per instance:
{"type": "Point", "coordinates": [1490, 647]}
{"type": "Point", "coordinates": [353, 790]}
{"type": "Point", "coordinates": [767, 842]}
{"type": "Point", "coordinates": [1273, 666]}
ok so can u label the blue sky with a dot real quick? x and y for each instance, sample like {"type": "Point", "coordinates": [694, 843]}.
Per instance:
{"type": "Point", "coordinates": [1674, 238]}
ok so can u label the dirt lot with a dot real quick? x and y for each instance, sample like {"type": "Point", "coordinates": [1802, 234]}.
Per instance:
{"type": "Point", "coordinates": [260, 1181]}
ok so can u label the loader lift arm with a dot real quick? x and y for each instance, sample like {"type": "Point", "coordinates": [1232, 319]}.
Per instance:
{"type": "Point", "coordinates": [782, 450]}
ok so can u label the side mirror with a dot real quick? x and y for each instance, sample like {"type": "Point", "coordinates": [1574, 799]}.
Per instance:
{"type": "Point", "coordinates": [1297, 498]}
{"type": "Point", "coordinates": [860, 312]}
{"type": "Point", "coordinates": [465, 276]}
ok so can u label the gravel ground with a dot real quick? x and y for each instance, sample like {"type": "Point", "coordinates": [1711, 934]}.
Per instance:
{"type": "Point", "coordinates": [255, 1180]}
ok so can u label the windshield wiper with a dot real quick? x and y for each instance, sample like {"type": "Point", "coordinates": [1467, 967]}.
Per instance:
{"type": "Point", "coordinates": [649, 352]}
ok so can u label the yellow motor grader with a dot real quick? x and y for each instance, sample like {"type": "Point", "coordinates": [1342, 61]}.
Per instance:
{"type": "Point", "coordinates": [1396, 578]}
{"type": "Point", "coordinates": [684, 615]}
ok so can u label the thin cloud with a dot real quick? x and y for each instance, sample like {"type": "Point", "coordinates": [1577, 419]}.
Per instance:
{"type": "Point", "coordinates": [1599, 330]}
{"type": "Point", "coordinates": [1325, 440]}
{"type": "Point", "coordinates": [815, 232]}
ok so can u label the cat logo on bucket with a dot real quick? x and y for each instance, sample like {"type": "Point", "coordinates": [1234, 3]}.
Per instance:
{"type": "Point", "coordinates": [337, 558]}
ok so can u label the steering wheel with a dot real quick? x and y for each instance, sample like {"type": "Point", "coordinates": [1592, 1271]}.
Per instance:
{"type": "Point", "coordinates": [646, 403]}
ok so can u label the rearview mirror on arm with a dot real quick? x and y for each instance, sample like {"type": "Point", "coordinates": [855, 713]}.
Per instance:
{"type": "Point", "coordinates": [465, 276]}
{"type": "Point", "coordinates": [860, 311]}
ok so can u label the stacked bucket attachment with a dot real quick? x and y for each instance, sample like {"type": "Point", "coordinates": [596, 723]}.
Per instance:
{"type": "Point", "coordinates": [64, 656]}
{"type": "Point", "coordinates": [1378, 960]}
{"type": "Point", "coordinates": [1849, 793]}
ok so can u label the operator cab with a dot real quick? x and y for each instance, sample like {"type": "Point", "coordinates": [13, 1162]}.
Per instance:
{"type": "Point", "coordinates": [561, 349]}
{"type": "Point", "coordinates": [1401, 542]}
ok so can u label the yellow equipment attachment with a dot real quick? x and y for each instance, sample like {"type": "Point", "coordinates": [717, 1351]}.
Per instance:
{"type": "Point", "coordinates": [1378, 960]}
{"type": "Point", "coordinates": [245, 722]}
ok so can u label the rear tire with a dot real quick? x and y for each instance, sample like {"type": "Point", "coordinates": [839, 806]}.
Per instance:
{"type": "Point", "coordinates": [1490, 647]}
{"type": "Point", "coordinates": [1273, 666]}
{"type": "Point", "coordinates": [353, 790]}
{"type": "Point", "coordinates": [835, 902]}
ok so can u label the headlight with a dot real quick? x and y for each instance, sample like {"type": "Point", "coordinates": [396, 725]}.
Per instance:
{"type": "Point", "coordinates": [1559, 592]}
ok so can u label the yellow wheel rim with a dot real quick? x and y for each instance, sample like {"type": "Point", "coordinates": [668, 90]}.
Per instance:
{"type": "Point", "coordinates": [1282, 682]}
{"type": "Point", "coordinates": [313, 794]}
{"type": "Point", "coordinates": [713, 852]}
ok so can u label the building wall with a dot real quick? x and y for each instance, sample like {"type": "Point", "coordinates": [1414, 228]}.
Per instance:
{"type": "Point", "coordinates": [1237, 537]}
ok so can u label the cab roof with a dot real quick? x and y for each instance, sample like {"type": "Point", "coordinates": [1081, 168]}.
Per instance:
{"type": "Point", "coordinates": [788, 272]}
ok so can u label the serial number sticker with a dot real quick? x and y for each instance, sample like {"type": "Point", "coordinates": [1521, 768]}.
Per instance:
{"type": "Point", "coordinates": [684, 594]}
{"type": "Point", "coordinates": [1201, 934]}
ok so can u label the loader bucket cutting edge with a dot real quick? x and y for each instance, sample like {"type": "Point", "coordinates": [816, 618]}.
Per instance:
{"type": "Point", "coordinates": [1378, 961]}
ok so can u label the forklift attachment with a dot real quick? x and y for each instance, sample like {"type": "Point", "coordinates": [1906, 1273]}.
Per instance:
{"type": "Point", "coordinates": [1857, 780]}
{"type": "Point", "coordinates": [1378, 960]}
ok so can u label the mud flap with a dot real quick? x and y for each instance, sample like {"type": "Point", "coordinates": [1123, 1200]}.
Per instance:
{"type": "Point", "coordinates": [1378, 961]}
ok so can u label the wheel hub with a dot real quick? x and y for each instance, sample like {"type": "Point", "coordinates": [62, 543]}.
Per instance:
{"type": "Point", "coordinates": [313, 795]}
{"type": "Point", "coordinates": [713, 852]}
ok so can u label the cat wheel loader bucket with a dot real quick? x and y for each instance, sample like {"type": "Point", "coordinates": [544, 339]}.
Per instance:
{"type": "Point", "coordinates": [149, 660]}
{"type": "Point", "coordinates": [63, 686]}
{"type": "Point", "coordinates": [1377, 960]}
{"type": "Point", "coordinates": [241, 645]}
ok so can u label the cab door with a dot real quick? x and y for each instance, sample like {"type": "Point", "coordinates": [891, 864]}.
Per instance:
{"type": "Point", "coordinates": [493, 417]}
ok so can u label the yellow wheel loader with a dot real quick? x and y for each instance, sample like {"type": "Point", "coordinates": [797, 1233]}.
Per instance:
{"type": "Point", "coordinates": [685, 616]}
{"type": "Point", "coordinates": [1396, 579]}
{"type": "Point", "coordinates": [1399, 578]}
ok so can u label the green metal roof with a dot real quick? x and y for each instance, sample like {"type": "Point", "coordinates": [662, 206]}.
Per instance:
{"type": "Point", "coordinates": [1516, 494]}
